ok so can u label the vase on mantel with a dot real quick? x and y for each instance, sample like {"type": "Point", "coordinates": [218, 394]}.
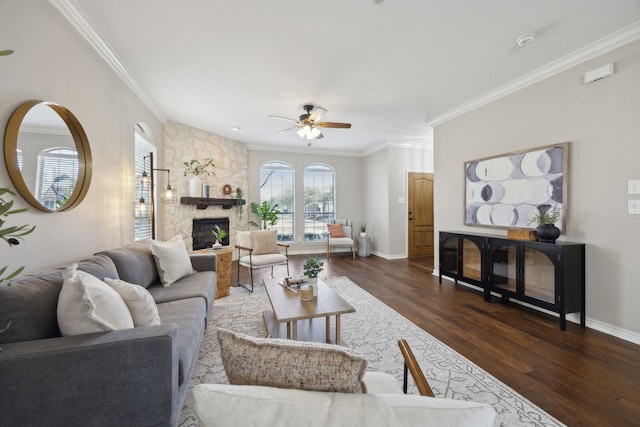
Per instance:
{"type": "Point", "coordinates": [195, 187]}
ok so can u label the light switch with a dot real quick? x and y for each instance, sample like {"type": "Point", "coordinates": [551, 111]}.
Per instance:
{"type": "Point", "coordinates": [634, 207]}
{"type": "Point", "coordinates": [401, 199]}
{"type": "Point", "coordinates": [633, 186]}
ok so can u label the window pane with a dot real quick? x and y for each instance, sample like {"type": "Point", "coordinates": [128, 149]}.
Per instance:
{"type": "Point", "coordinates": [277, 187]}
{"type": "Point", "coordinates": [142, 226]}
{"type": "Point", "coordinates": [56, 176]}
{"type": "Point", "coordinates": [319, 195]}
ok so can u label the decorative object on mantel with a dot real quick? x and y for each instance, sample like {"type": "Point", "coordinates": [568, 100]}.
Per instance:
{"type": "Point", "coordinates": [267, 214]}
{"type": "Point", "coordinates": [504, 191]}
{"type": "Point", "coordinates": [195, 168]}
{"type": "Point", "coordinates": [226, 189]}
{"type": "Point", "coordinates": [546, 217]}
{"type": "Point", "coordinates": [219, 233]}
{"type": "Point", "coordinates": [203, 202]}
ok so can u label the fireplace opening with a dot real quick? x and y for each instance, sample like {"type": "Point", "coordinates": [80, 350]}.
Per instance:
{"type": "Point", "coordinates": [202, 236]}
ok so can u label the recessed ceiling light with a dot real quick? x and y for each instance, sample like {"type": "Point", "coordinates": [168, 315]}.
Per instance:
{"type": "Point", "coordinates": [236, 128]}
{"type": "Point", "coordinates": [525, 40]}
{"type": "Point", "coordinates": [378, 1]}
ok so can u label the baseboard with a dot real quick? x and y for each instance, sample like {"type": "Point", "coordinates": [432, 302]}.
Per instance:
{"type": "Point", "coordinates": [597, 325]}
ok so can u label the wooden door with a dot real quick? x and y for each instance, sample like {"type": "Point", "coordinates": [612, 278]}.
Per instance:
{"type": "Point", "coordinates": [420, 214]}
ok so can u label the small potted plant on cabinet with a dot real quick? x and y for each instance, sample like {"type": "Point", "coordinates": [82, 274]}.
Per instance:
{"type": "Point", "coordinates": [311, 268]}
{"type": "Point", "coordinates": [546, 217]}
{"type": "Point", "coordinates": [363, 229]}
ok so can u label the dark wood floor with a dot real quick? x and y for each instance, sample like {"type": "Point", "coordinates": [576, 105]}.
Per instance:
{"type": "Point", "coordinates": [580, 376]}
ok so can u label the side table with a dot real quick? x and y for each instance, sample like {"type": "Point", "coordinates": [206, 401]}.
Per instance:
{"type": "Point", "coordinates": [364, 246]}
{"type": "Point", "coordinates": [224, 259]}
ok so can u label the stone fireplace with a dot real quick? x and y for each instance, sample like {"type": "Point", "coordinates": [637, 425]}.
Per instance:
{"type": "Point", "coordinates": [201, 234]}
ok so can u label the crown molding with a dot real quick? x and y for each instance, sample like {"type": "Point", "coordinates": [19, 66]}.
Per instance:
{"type": "Point", "coordinates": [593, 50]}
{"type": "Point", "coordinates": [303, 150]}
{"type": "Point", "coordinates": [81, 23]}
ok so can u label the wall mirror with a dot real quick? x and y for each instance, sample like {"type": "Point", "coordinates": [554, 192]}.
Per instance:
{"type": "Point", "coordinates": [47, 156]}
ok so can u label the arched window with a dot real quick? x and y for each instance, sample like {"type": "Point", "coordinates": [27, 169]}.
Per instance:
{"type": "Point", "coordinates": [57, 174]}
{"type": "Point", "coordinates": [277, 187]}
{"type": "Point", "coordinates": [142, 147]}
{"type": "Point", "coordinates": [319, 196]}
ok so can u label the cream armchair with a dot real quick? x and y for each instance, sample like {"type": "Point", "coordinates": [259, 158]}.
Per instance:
{"type": "Point", "coordinates": [259, 249]}
{"type": "Point", "coordinates": [341, 235]}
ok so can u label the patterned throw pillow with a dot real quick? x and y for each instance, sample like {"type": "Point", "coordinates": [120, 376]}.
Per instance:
{"type": "Point", "coordinates": [335, 231]}
{"type": "Point", "coordinates": [264, 242]}
{"type": "Point", "coordinates": [291, 364]}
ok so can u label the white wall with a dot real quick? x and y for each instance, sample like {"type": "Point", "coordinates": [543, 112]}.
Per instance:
{"type": "Point", "coordinates": [385, 183]}
{"type": "Point", "coordinates": [601, 120]}
{"type": "Point", "coordinates": [52, 62]}
{"type": "Point", "coordinates": [349, 195]}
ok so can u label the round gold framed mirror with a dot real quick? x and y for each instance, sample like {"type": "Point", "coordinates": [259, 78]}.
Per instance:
{"type": "Point", "coordinates": [48, 156]}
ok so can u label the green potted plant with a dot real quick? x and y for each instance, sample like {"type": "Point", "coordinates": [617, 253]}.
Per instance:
{"type": "Point", "coordinates": [546, 216]}
{"type": "Point", "coordinates": [12, 235]}
{"type": "Point", "coordinates": [196, 168]}
{"type": "Point", "coordinates": [311, 268]}
{"type": "Point", "coordinates": [219, 234]}
{"type": "Point", "coordinates": [363, 229]}
{"type": "Point", "coordinates": [239, 203]}
{"type": "Point", "coordinates": [267, 214]}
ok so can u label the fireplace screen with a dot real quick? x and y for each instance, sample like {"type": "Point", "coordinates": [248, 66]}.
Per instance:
{"type": "Point", "coordinates": [202, 236]}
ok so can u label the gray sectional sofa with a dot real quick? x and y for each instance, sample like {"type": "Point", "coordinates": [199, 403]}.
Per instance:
{"type": "Point", "coordinates": [130, 377]}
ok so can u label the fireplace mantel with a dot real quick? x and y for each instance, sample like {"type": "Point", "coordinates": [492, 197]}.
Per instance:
{"type": "Point", "coordinates": [203, 202]}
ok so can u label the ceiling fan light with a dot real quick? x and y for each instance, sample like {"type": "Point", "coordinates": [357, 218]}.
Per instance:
{"type": "Point", "coordinates": [315, 132]}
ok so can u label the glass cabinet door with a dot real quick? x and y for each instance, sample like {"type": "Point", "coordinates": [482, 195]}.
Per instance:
{"type": "Point", "coordinates": [539, 275]}
{"type": "Point", "coordinates": [450, 255]}
{"type": "Point", "coordinates": [504, 267]}
{"type": "Point", "coordinates": [471, 260]}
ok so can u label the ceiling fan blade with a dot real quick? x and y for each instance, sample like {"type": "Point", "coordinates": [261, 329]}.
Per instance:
{"type": "Point", "coordinates": [286, 130]}
{"type": "Point", "coordinates": [333, 125]}
{"type": "Point", "coordinates": [282, 118]}
{"type": "Point", "coordinates": [317, 113]}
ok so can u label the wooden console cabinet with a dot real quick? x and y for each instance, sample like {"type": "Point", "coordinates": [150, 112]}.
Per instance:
{"type": "Point", "coordinates": [546, 275]}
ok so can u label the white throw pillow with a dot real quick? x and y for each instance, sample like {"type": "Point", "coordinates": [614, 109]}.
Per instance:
{"type": "Point", "coordinates": [142, 307]}
{"type": "Point", "coordinates": [224, 405]}
{"type": "Point", "coordinates": [172, 259]}
{"type": "Point", "coordinates": [86, 304]}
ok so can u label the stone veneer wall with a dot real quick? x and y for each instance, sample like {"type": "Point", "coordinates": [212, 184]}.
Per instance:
{"type": "Point", "coordinates": [182, 143]}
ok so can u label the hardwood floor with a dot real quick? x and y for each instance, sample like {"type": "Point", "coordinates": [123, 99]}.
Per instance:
{"type": "Point", "coordinates": [580, 376]}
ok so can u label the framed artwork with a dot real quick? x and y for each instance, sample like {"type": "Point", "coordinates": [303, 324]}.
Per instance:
{"type": "Point", "coordinates": [504, 191]}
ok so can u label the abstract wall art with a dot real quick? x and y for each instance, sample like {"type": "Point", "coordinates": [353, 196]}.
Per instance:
{"type": "Point", "coordinates": [504, 191]}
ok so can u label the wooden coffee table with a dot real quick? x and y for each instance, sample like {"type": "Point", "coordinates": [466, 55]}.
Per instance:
{"type": "Point", "coordinates": [295, 319]}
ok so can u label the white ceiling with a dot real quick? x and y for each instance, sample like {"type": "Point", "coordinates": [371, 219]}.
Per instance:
{"type": "Point", "coordinates": [390, 69]}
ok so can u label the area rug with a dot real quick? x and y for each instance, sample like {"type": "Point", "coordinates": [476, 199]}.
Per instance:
{"type": "Point", "coordinates": [374, 330]}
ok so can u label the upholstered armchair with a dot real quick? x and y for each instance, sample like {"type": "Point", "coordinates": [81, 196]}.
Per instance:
{"type": "Point", "coordinates": [259, 249]}
{"type": "Point", "coordinates": [341, 235]}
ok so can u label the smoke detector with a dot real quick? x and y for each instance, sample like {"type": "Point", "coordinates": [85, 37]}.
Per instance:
{"type": "Point", "coordinates": [525, 40]}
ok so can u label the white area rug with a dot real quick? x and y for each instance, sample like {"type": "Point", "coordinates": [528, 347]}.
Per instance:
{"type": "Point", "coordinates": [374, 330]}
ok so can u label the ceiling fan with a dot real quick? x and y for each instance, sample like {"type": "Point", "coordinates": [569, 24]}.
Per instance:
{"type": "Point", "coordinates": [309, 124]}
